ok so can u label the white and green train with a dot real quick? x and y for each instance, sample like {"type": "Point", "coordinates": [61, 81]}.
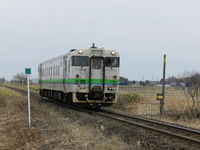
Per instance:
{"type": "Point", "coordinates": [88, 77]}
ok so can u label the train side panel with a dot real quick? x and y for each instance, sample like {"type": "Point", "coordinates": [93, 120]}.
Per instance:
{"type": "Point", "coordinates": [51, 75]}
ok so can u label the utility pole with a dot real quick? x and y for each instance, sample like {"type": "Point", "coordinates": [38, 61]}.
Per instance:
{"type": "Point", "coordinates": [162, 103]}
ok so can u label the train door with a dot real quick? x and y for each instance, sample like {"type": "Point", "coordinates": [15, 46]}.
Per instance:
{"type": "Point", "coordinates": [64, 72]}
{"type": "Point", "coordinates": [40, 75]}
{"type": "Point", "coordinates": [97, 74]}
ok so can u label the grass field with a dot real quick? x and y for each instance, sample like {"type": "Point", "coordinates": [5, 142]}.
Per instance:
{"type": "Point", "coordinates": [51, 130]}
{"type": "Point", "coordinates": [33, 87]}
{"type": "Point", "coordinates": [142, 101]}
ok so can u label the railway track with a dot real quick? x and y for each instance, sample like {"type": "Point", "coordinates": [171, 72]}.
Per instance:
{"type": "Point", "coordinates": [186, 134]}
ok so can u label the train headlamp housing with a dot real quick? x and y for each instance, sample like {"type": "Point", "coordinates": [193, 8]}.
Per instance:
{"type": "Point", "coordinates": [80, 51]}
{"type": "Point", "coordinates": [113, 52]}
{"type": "Point", "coordinates": [112, 88]}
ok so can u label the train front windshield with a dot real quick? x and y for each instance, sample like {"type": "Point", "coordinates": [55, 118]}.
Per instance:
{"type": "Point", "coordinates": [80, 61]}
{"type": "Point", "coordinates": [112, 61]}
{"type": "Point", "coordinates": [84, 61]}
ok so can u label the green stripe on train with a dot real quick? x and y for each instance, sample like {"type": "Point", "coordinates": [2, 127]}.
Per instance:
{"type": "Point", "coordinates": [80, 80]}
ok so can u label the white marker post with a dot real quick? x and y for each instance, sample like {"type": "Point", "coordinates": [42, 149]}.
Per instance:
{"type": "Point", "coordinates": [28, 72]}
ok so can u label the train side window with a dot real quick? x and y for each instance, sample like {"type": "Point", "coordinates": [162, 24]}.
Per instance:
{"type": "Point", "coordinates": [65, 68]}
{"type": "Point", "coordinates": [57, 71]}
{"type": "Point", "coordinates": [39, 70]}
{"type": "Point", "coordinates": [69, 66]}
{"type": "Point", "coordinates": [96, 63]}
{"type": "Point", "coordinates": [54, 71]}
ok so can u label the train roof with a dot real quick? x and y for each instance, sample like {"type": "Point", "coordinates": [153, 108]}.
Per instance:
{"type": "Point", "coordinates": [52, 59]}
{"type": "Point", "coordinates": [92, 51]}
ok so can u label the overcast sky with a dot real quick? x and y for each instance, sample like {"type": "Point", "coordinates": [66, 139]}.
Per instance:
{"type": "Point", "coordinates": [32, 31]}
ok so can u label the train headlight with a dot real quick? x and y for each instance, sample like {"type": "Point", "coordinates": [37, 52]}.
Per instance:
{"type": "Point", "coordinates": [112, 88]}
{"type": "Point", "coordinates": [80, 51]}
{"type": "Point", "coordinates": [113, 52]}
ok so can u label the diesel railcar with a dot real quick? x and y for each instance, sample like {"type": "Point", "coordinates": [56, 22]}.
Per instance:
{"type": "Point", "coordinates": [87, 77]}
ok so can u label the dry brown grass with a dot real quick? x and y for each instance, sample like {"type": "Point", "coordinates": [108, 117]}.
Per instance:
{"type": "Point", "coordinates": [33, 88]}
{"type": "Point", "coordinates": [6, 94]}
{"type": "Point", "coordinates": [176, 105]}
{"type": "Point", "coordinates": [50, 130]}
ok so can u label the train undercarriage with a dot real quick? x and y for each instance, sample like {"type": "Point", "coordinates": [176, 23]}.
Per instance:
{"type": "Point", "coordinates": [92, 99]}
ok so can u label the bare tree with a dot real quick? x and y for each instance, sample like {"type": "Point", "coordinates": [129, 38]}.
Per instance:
{"type": "Point", "coordinates": [192, 93]}
{"type": "Point", "coordinates": [2, 80]}
{"type": "Point", "coordinates": [19, 78]}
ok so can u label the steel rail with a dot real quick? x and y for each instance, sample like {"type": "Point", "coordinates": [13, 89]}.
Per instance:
{"type": "Point", "coordinates": [152, 121]}
{"type": "Point", "coordinates": [154, 129]}
{"type": "Point", "coordinates": [105, 113]}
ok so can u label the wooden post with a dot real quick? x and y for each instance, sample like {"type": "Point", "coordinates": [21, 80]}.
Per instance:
{"type": "Point", "coordinates": [162, 102]}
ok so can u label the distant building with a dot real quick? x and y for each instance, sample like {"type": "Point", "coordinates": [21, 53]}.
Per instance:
{"type": "Point", "coordinates": [123, 81]}
{"type": "Point", "coordinates": [182, 84]}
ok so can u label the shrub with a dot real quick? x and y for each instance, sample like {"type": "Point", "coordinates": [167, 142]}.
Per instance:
{"type": "Point", "coordinates": [128, 101]}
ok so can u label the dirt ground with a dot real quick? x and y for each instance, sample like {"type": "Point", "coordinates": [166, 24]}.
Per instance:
{"type": "Point", "coordinates": [56, 127]}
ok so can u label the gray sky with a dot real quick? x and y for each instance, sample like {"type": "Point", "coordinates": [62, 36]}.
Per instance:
{"type": "Point", "coordinates": [32, 31]}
